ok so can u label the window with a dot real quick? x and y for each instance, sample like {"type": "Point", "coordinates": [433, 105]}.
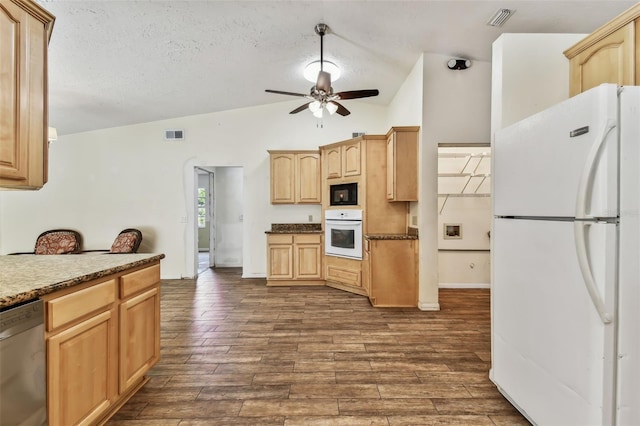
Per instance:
{"type": "Point", "coordinates": [202, 207]}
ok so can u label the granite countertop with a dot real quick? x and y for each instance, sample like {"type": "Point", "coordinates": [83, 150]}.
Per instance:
{"type": "Point", "coordinates": [25, 277]}
{"type": "Point", "coordinates": [390, 237]}
{"type": "Point", "coordinates": [412, 234]}
{"type": "Point", "coordinates": [295, 228]}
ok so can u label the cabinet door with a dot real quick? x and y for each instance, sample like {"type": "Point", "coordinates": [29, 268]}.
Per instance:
{"type": "Point", "coordinates": [393, 272]}
{"type": "Point", "coordinates": [334, 162]}
{"type": "Point", "coordinates": [308, 261]}
{"type": "Point", "coordinates": [139, 336]}
{"type": "Point", "coordinates": [402, 164]}
{"type": "Point", "coordinates": [308, 178]}
{"type": "Point", "coordinates": [81, 373]}
{"type": "Point", "coordinates": [280, 257]}
{"type": "Point", "coordinates": [308, 256]}
{"type": "Point", "coordinates": [391, 166]}
{"type": "Point", "coordinates": [282, 178]}
{"type": "Point", "coordinates": [23, 104]}
{"type": "Point", "coordinates": [610, 60]}
{"type": "Point", "coordinates": [366, 268]}
{"type": "Point", "coordinates": [351, 159]}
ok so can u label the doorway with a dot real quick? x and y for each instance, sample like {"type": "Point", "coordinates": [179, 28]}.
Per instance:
{"type": "Point", "coordinates": [218, 217]}
{"type": "Point", "coordinates": [464, 215]}
{"type": "Point", "coordinates": [205, 219]}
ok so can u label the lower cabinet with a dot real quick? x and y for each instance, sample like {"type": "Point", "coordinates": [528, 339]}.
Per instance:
{"type": "Point", "coordinates": [393, 272]}
{"type": "Point", "coordinates": [294, 259]}
{"type": "Point", "coordinates": [139, 337]}
{"type": "Point", "coordinates": [82, 367]}
{"type": "Point", "coordinates": [345, 274]}
{"type": "Point", "coordinates": [102, 337]}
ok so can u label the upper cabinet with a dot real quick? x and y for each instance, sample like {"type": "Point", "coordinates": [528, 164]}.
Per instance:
{"type": "Point", "coordinates": [25, 28]}
{"type": "Point", "coordinates": [608, 55]}
{"type": "Point", "coordinates": [343, 160]}
{"type": "Point", "coordinates": [295, 177]}
{"type": "Point", "coordinates": [402, 164]}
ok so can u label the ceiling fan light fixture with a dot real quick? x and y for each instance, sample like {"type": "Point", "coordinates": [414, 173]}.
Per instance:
{"type": "Point", "coordinates": [331, 107]}
{"type": "Point", "coordinates": [315, 106]}
{"type": "Point", "coordinates": [318, 113]}
{"type": "Point", "coordinates": [311, 70]}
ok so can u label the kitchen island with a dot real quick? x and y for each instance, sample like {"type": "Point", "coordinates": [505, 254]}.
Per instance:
{"type": "Point", "coordinates": [26, 277]}
{"type": "Point", "coordinates": [102, 326]}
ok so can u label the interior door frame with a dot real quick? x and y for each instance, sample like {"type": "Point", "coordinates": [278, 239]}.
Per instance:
{"type": "Point", "coordinates": [210, 215]}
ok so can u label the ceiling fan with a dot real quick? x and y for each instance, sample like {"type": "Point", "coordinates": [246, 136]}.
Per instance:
{"type": "Point", "coordinates": [321, 95]}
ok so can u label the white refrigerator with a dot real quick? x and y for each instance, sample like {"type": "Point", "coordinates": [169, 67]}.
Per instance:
{"type": "Point", "coordinates": [565, 294]}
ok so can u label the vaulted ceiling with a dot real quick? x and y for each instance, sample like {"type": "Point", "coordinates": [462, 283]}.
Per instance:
{"type": "Point", "coordinates": [114, 63]}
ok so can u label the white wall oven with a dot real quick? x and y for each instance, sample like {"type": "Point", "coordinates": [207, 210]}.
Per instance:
{"type": "Point", "coordinates": [343, 233]}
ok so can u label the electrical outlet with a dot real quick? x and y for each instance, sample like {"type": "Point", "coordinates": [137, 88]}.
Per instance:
{"type": "Point", "coordinates": [414, 220]}
{"type": "Point", "coordinates": [310, 218]}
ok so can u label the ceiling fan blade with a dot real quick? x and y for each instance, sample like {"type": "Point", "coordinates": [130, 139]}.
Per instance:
{"type": "Point", "coordinates": [355, 94]}
{"type": "Point", "coordinates": [341, 110]}
{"type": "Point", "coordinates": [324, 81]}
{"type": "Point", "coordinates": [300, 108]}
{"type": "Point", "coordinates": [279, 92]}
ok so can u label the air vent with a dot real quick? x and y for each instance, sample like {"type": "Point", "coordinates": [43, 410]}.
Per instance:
{"type": "Point", "coordinates": [174, 135]}
{"type": "Point", "coordinates": [500, 17]}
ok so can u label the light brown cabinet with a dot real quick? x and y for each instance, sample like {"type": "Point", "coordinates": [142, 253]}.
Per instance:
{"type": "Point", "coordinates": [295, 177]}
{"type": "Point", "coordinates": [402, 164]}
{"type": "Point", "coordinates": [102, 337]}
{"type": "Point", "coordinates": [393, 272]}
{"type": "Point", "coordinates": [82, 359]}
{"type": "Point", "coordinates": [344, 274]}
{"type": "Point", "coordinates": [25, 28]}
{"type": "Point", "coordinates": [139, 325]}
{"type": "Point", "coordinates": [294, 259]}
{"type": "Point", "coordinates": [343, 160]}
{"type": "Point", "coordinates": [611, 54]}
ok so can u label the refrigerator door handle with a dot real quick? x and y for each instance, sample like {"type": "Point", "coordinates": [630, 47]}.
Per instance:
{"type": "Point", "coordinates": [586, 180]}
{"type": "Point", "coordinates": [587, 275]}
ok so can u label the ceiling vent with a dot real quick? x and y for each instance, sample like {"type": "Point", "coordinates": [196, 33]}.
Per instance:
{"type": "Point", "coordinates": [500, 17]}
{"type": "Point", "coordinates": [174, 135]}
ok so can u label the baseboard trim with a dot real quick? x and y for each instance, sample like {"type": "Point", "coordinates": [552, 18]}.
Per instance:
{"type": "Point", "coordinates": [428, 306]}
{"type": "Point", "coordinates": [464, 285]}
{"type": "Point", "coordinates": [255, 275]}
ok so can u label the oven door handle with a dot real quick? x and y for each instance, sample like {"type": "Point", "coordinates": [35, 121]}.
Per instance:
{"type": "Point", "coordinates": [344, 222]}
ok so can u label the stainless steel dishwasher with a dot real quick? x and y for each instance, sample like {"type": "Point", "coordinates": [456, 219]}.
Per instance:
{"type": "Point", "coordinates": [22, 366]}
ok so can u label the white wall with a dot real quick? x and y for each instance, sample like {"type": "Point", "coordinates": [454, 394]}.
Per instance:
{"type": "Point", "coordinates": [229, 216]}
{"type": "Point", "coordinates": [406, 110]}
{"type": "Point", "coordinates": [530, 73]}
{"type": "Point", "coordinates": [103, 181]}
{"type": "Point", "coordinates": [456, 108]}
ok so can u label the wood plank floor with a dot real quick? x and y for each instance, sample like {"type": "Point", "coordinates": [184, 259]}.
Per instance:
{"type": "Point", "coordinates": [235, 352]}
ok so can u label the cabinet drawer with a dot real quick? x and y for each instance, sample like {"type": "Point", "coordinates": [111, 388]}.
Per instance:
{"type": "Point", "coordinates": [308, 239]}
{"type": "Point", "coordinates": [343, 275]}
{"type": "Point", "coordinates": [65, 309]}
{"type": "Point", "coordinates": [280, 239]}
{"type": "Point", "coordinates": [139, 280]}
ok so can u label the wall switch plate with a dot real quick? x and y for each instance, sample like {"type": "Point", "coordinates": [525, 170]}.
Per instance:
{"type": "Point", "coordinates": [310, 218]}
{"type": "Point", "coordinates": [414, 220]}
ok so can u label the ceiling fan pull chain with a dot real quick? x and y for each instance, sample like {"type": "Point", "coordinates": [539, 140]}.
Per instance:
{"type": "Point", "coordinates": [321, 49]}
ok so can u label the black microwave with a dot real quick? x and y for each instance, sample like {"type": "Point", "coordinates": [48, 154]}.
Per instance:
{"type": "Point", "coordinates": [345, 194]}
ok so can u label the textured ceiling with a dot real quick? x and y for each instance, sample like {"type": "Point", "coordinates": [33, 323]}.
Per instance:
{"type": "Point", "coordinates": [114, 63]}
